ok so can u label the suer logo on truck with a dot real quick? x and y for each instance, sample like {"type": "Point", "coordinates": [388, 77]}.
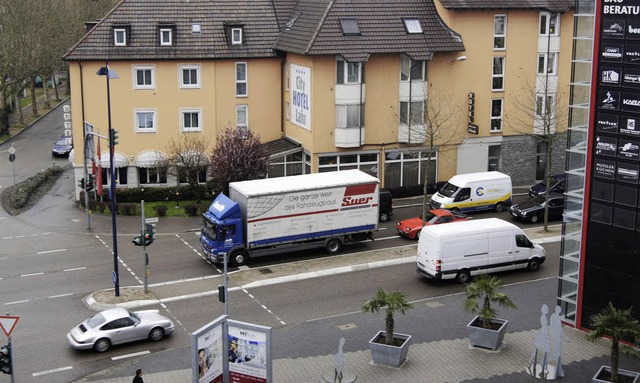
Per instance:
{"type": "Point", "coordinates": [349, 201]}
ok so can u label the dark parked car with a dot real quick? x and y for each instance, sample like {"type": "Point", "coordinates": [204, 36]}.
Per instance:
{"type": "Point", "coordinates": [386, 206]}
{"type": "Point", "coordinates": [557, 185]}
{"type": "Point", "coordinates": [62, 147]}
{"type": "Point", "coordinates": [533, 210]}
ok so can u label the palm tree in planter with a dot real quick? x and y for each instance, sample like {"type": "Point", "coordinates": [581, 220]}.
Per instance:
{"type": "Point", "coordinates": [617, 325]}
{"type": "Point", "coordinates": [388, 347]}
{"type": "Point", "coordinates": [485, 330]}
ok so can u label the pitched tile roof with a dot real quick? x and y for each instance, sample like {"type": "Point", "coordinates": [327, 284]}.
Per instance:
{"type": "Point", "coordinates": [549, 5]}
{"type": "Point", "coordinates": [143, 17]}
{"type": "Point", "coordinates": [317, 30]}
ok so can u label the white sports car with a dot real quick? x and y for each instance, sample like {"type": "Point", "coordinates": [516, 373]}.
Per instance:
{"type": "Point", "coordinates": [118, 325]}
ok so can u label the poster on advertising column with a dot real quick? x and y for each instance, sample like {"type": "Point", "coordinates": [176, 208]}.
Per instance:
{"type": "Point", "coordinates": [301, 96]}
{"type": "Point", "coordinates": [249, 347]}
{"type": "Point", "coordinates": [208, 352]}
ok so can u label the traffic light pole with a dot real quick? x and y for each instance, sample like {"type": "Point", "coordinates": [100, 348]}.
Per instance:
{"type": "Point", "coordinates": [112, 191]}
{"type": "Point", "coordinates": [84, 189]}
{"type": "Point", "coordinates": [144, 249]}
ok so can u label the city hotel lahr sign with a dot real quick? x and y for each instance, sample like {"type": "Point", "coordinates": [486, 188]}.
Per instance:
{"type": "Point", "coordinates": [472, 128]}
{"type": "Point", "coordinates": [612, 219]}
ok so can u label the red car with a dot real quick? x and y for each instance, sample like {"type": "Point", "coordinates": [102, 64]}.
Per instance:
{"type": "Point", "coordinates": [410, 228]}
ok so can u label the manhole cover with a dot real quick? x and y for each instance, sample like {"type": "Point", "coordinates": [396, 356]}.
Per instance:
{"type": "Point", "coordinates": [266, 271]}
{"type": "Point", "coordinates": [434, 304]}
{"type": "Point", "coordinates": [347, 326]}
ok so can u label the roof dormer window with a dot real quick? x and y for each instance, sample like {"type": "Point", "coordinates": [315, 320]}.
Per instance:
{"type": "Point", "coordinates": [166, 36]}
{"type": "Point", "coordinates": [120, 37]}
{"type": "Point", "coordinates": [413, 26]}
{"type": "Point", "coordinates": [236, 36]}
{"type": "Point", "coordinates": [349, 26]}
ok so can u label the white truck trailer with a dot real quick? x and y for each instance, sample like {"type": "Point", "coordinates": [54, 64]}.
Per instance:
{"type": "Point", "coordinates": [276, 215]}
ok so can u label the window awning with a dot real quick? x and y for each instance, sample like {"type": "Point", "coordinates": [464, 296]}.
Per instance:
{"type": "Point", "coordinates": [282, 147]}
{"type": "Point", "coordinates": [119, 160]}
{"type": "Point", "coordinates": [149, 159]}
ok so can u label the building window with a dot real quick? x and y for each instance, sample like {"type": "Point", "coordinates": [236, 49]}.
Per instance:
{"type": "Point", "coordinates": [544, 109]}
{"type": "Point", "coordinates": [348, 116]}
{"type": "Point", "coordinates": [143, 77]}
{"type": "Point", "coordinates": [191, 120]}
{"type": "Point", "coordinates": [287, 165]}
{"type": "Point", "coordinates": [415, 116]}
{"type": "Point", "coordinates": [499, 31]}
{"type": "Point", "coordinates": [242, 117]}
{"type": "Point", "coordinates": [120, 37]}
{"type": "Point", "coordinates": [148, 176]}
{"type": "Point", "coordinates": [412, 70]}
{"type": "Point", "coordinates": [548, 63]}
{"type": "Point", "coordinates": [121, 176]}
{"type": "Point", "coordinates": [241, 80]}
{"type": "Point", "coordinates": [236, 36]}
{"type": "Point", "coordinates": [409, 168]}
{"type": "Point", "coordinates": [200, 175]}
{"type": "Point", "coordinates": [145, 120]}
{"type": "Point", "coordinates": [348, 73]}
{"type": "Point", "coordinates": [189, 76]}
{"type": "Point", "coordinates": [549, 24]}
{"type": "Point", "coordinates": [165, 37]}
{"type": "Point", "coordinates": [413, 26]}
{"type": "Point", "coordinates": [494, 158]}
{"type": "Point", "coordinates": [496, 114]}
{"type": "Point", "coordinates": [349, 26]}
{"type": "Point", "coordinates": [367, 162]}
{"type": "Point", "coordinates": [497, 82]}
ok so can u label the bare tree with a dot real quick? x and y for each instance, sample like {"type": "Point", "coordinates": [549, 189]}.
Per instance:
{"type": "Point", "coordinates": [541, 113]}
{"type": "Point", "coordinates": [186, 160]}
{"type": "Point", "coordinates": [238, 156]}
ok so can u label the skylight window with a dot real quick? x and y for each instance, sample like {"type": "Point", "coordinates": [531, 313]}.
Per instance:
{"type": "Point", "coordinates": [292, 20]}
{"type": "Point", "coordinates": [413, 26]}
{"type": "Point", "coordinates": [349, 26]}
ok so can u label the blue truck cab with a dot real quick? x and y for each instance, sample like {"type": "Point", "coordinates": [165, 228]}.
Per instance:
{"type": "Point", "coordinates": [222, 229]}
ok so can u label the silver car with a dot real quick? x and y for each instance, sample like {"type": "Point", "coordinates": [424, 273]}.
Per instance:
{"type": "Point", "coordinates": [118, 325]}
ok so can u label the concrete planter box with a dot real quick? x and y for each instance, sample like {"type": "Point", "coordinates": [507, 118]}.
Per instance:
{"type": "Point", "coordinates": [632, 376]}
{"type": "Point", "coordinates": [486, 338]}
{"type": "Point", "coordinates": [389, 355]}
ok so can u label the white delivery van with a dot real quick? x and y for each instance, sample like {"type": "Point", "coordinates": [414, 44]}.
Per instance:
{"type": "Point", "coordinates": [474, 191]}
{"type": "Point", "coordinates": [462, 249]}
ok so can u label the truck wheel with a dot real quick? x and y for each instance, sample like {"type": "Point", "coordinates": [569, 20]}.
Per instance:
{"type": "Point", "coordinates": [499, 207]}
{"type": "Point", "coordinates": [384, 216]}
{"type": "Point", "coordinates": [533, 264]}
{"type": "Point", "coordinates": [463, 276]}
{"type": "Point", "coordinates": [333, 246]}
{"type": "Point", "coordinates": [239, 257]}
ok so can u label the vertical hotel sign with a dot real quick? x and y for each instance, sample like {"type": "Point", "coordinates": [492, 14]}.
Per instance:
{"type": "Point", "coordinates": [301, 96]}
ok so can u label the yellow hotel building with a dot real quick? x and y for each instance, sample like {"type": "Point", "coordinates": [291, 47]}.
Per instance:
{"type": "Point", "coordinates": [390, 88]}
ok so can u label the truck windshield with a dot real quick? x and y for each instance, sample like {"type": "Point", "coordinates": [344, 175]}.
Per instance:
{"type": "Point", "coordinates": [210, 229]}
{"type": "Point", "coordinates": [448, 190]}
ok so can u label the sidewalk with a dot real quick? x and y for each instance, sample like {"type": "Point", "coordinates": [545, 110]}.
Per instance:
{"type": "Point", "coordinates": [450, 359]}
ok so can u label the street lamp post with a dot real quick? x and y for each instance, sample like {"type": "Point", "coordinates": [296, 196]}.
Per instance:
{"type": "Point", "coordinates": [109, 74]}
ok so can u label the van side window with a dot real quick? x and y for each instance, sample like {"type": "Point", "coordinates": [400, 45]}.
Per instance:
{"type": "Point", "coordinates": [463, 194]}
{"type": "Point", "coordinates": [523, 241]}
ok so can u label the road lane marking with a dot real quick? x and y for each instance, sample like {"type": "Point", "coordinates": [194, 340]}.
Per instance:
{"type": "Point", "coordinates": [130, 355]}
{"type": "Point", "coordinates": [51, 251]}
{"type": "Point", "coordinates": [51, 371]}
{"type": "Point", "coordinates": [75, 269]}
{"type": "Point", "coordinates": [16, 302]}
{"type": "Point", "coordinates": [31, 275]}
{"type": "Point", "coordinates": [61, 295]}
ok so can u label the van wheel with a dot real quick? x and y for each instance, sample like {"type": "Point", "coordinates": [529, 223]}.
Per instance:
{"type": "Point", "coordinates": [418, 234]}
{"type": "Point", "coordinates": [534, 219]}
{"type": "Point", "coordinates": [239, 257]}
{"type": "Point", "coordinates": [533, 264]}
{"type": "Point", "coordinates": [463, 276]}
{"type": "Point", "coordinates": [333, 246]}
{"type": "Point", "coordinates": [499, 207]}
{"type": "Point", "coordinates": [384, 216]}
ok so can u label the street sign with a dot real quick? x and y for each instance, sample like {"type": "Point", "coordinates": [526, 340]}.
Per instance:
{"type": "Point", "coordinates": [114, 276]}
{"type": "Point", "coordinates": [11, 150]}
{"type": "Point", "coordinates": [151, 220]}
{"type": "Point", "coordinates": [12, 157]}
{"type": "Point", "coordinates": [8, 323]}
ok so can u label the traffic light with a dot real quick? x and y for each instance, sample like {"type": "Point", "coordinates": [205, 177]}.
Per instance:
{"type": "Point", "coordinates": [81, 184]}
{"type": "Point", "coordinates": [113, 137]}
{"type": "Point", "coordinates": [149, 233]}
{"type": "Point", "coordinates": [90, 184]}
{"type": "Point", "coordinates": [138, 241]}
{"type": "Point", "coordinates": [221, 294]}
{"type": "Point", "coordinates": [5, 359]}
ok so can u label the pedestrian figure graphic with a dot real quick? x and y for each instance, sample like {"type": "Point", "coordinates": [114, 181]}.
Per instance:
{"type": "Point", "coordinates": [541, 344]}
{"type": "Point", "coordinates": [555, 326]}
{"type": "Point", "coordinates": [337, 377]}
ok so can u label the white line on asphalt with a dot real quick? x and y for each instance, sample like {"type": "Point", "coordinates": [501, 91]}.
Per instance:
{"type": "Point", "coordinates": [7, 237]}
{"type": "Point", "coordinates": [61, 295]}
{"type": "Point", "coordinates": [75, 269]}
{"type": "Point", "coordinates": [3, 258]}
{"type": "Point", "coordinates": [185, 280]}
{"type": "Point", "coordinates": [130, 355]}
{"type": "Point", "coordinates": [50, 371]}
{"type": "Point", "coordinates": [3, 217]}
{"type": "Point", "coordinates": [51, 251]}
{"type": "Point", "coordinates": [31, 275]}
{"type": "Point", "coordinates": [20, 236]}
{"type": "Point", "coordinates": [16, 302]}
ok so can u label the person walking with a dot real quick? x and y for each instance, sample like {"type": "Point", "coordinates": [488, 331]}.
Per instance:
{"type": "Point", "coordinates": [138, 377]}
